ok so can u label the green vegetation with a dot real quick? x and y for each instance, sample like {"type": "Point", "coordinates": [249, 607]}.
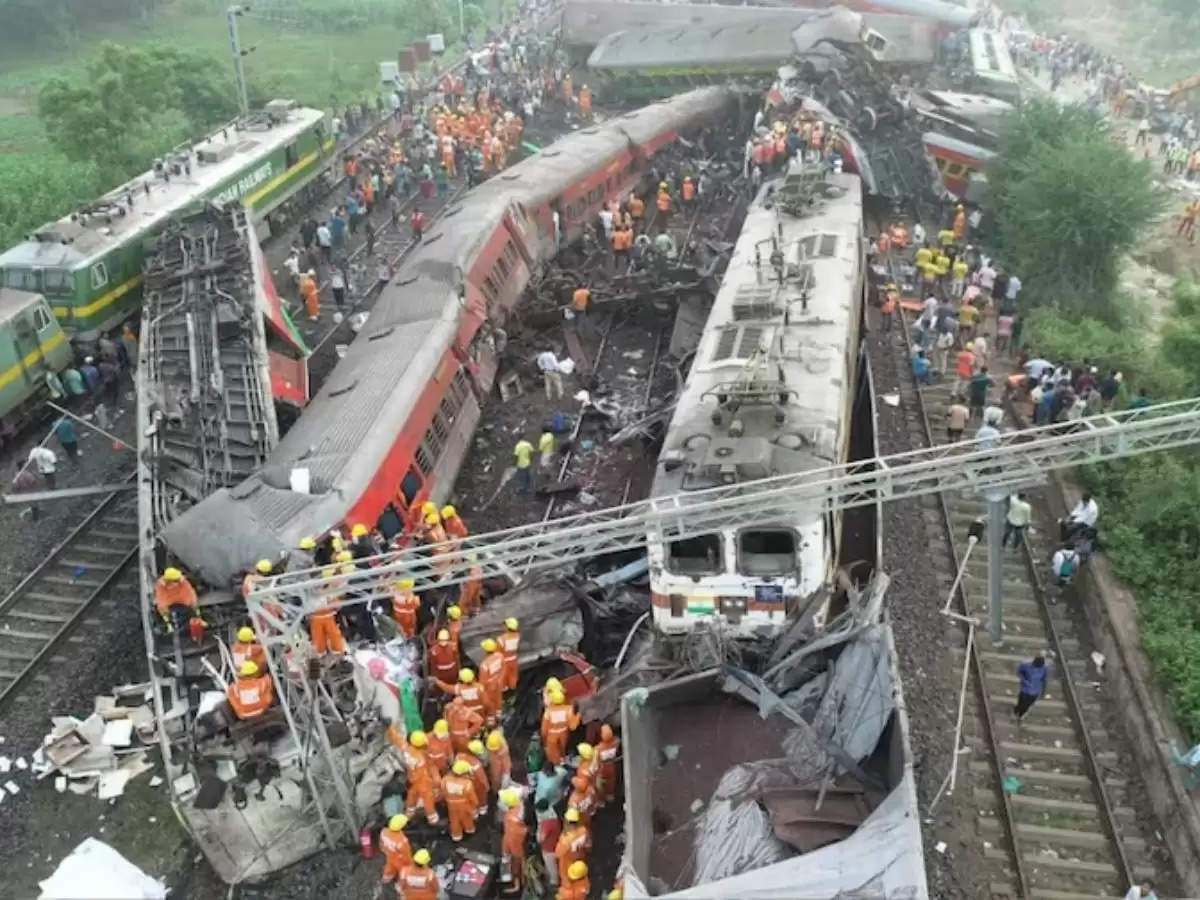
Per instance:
{"type": "Point", "coordinates": [92, 90]}
{"type": "Point", "coordinates": [1068, 203]}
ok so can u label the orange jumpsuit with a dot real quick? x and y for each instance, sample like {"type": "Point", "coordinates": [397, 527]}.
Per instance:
{"type": "Point", "coordinates": [395, 847]}
{"type": "Point", "coordinates": [174, 593]}
{"type": "Point", "coordinates": [443, 660]}
{"type": "Point", "coordinates": [663, 202]}
{"type": "Point", "coordinates": [455, 527]}
{"type": "Point", "coordinates": [606, 771]}
{"type": "Point", "coordinates": [491, 679]}
{"type": "Point", "coordinates": [471, 695]}
{"type": "Point", "coordinates": [689, 190]}
{"type": "Point", "coordinates": [471, 592]}
{"type": "Point", "coordinates": [585, 102]}
{"type": "Point", "coordinates": [509, 643]}
{"type": "Point", "coordinates": [558, 721]}
{"type": "Point", "coordinates": [512, 844]}
{"type": "Point", "coordinates": [499, 765]}
{"type": "Point", "coordinates": [462, 803]}
{"type": "Point", "coordinates": [464, 724]}
{"type": "Point", "coordinates": [417, 883]}
{"type": "Point", "coordinates": [583, 796]}
{"type": "Point", "coordinates": [312, 297]}
{"type": "Point", "coordinates": [448, 158]}
{"type": "Point", "coordinates": [455, 630]}
{"type": "Point", "coordinates": [568, 90]}
{"type": "Point", "coordinates": [324, 631]}
{"type": "Point", "coordinates": [420, 784]}
{"type": "Point", "coordinates": [960, 226]}
{"type": "Point", "coordinates": [438, 755]}
{"type": "Point", "coordinates": [569, 890]}
{"type": "Point", "coordinates": [573, 844]}
{"type": "Point", "coordinates": [249, 652]}
{"type": "Point", "coordinates": [405, 605]}
{"type": "Point", "coordinates": [637, 207]}
{"type": "Point", "coordinates": [250, 697]}
{"type": "Point", "coordinates": [478, 776]}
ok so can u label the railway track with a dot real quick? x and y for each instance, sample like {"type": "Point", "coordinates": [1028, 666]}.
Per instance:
{"type": "Point", "coordinates": [50, 602]}
{"type": "Point", "coordinates": [1054, 797]}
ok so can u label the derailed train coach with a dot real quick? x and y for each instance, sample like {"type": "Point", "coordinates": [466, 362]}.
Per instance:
{"type": "Point", "coordinates": [393, 423]}
{"type": "Point", "coordinates": [770, 394]}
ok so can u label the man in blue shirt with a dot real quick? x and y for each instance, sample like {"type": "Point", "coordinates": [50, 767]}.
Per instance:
{"type": "Point", "coordinates": [922, 367]}
{"type": "Point", "coordinates": [92, 375]}
{"type": "Point", "coordinates": [1033, 677]}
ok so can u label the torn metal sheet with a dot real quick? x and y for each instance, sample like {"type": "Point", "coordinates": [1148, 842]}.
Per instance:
{"type": "Point", "coordinates": [549, 618]}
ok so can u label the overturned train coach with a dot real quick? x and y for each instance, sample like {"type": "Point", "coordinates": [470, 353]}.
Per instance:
{"type": "Point", "coordinates": [770, 394]}
{"type": "Point", "coordinates": [393, 423]}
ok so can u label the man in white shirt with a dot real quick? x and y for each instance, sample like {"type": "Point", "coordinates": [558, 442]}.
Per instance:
{"type": "Point", "coordinates": [1086, 512]}
{"type": "Point", "coordinates": [606, 219]}
{"type": "Point", "coordinates": [547, 363]}
{"type": "Point", "coordinates": [1019, 515]}
{"type": "Point", "coordinates": [1014, 288]}
{"type": "Point", "coordinates": [1065, 563]}
{"type": "Point", "coordinates": [46, 462]}
{"type": "Point", "coordinates": [325, 241]}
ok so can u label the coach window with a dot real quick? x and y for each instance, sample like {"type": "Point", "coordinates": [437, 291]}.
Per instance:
{"type": "Point", "coordinates": [290, 157]}
{"type": "Point", "coordinates": [955, 170]}
{"type": "Point", "coordinates": [766, 552]}
{"type": "Point", "coordinates": [21, 279]}
{"type": "Point", "coordinates": [696, 556]}
{"type": "Point", "coordinates": [58, 282]}
{"type": "Point", "coordinates": [99, 276]}
{"type": "Point", "coordinates": [411, 485]}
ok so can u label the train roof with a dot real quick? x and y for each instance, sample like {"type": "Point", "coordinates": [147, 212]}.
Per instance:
{"type": "Point", "coordinates": [937, 139]}
{"type": "Point", "coordinates": [767, 41]}
{"type": "Point", "coordinates": [13, 301]}
{"type": "Point", "coordinates": [804, 348]}
{"type": "Point", "coordinates": [82, 236]}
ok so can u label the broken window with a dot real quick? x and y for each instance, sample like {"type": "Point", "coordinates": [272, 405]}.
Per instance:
{"type": "Point", "coordinates": [763, 552]}
{"type": "Point", "coordinates": [696, 556]}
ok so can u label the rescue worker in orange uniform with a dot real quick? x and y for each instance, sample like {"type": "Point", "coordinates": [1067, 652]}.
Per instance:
{"type": "Point", "coordinates": [585, 102]}
{"type": "Point", "coordinates": [173, 591]}
{"type": "Point", "coordinates": [247, 648]}
{"type": "Point", "coordinates": [499, 760]}
{"type": "Point", "coordinates": [689, 191]}
{"type": "Point", "coordinates": [405, 606]}
{"type": "Point", "coordinates": [583, 788]}
{"type": "Point", "coordinates": [262, 569]}
{"type": "Point", "coordinates": [417, 880]}
{"type": "Point", "coordinates": [454, 627]}
{"type": "Point", "coordinates": [322, 626]}
{"type": "Point", "coordinates": [443, 657]}
{"type": "Point", "coordinates": [448, 156]}
{"type": "Point", "coordinates": [577, 886]}
{"type": "Point", "coordinates": [459, 790]}
{"type": "Point", "coordinates": [558, 721]}
{"type": "Point", "coordinates": [510, 643]}
{"type": "Point", "coordinates": [960, 224]}
{"type": "Point", "coordinates": [491, 678]}
{"type": "Point", "coordinates": [573, 845]}
{"type": "Point", "coordinates": [439, 750]}
{"type": "Point", "coordinates": [473, 757]}
{"type": "Point", "coordinates": [607, 752]}
{"type": "Point", "coordinates": [568, 90]}
{"type": "Point", "coordinates": [464, 724]}
{"type": "Point", "coordinates": [311, 294]}
{"type": "Point", "coordinates": [663, 202]}
{"type": "Point", "coordinates": [551, 685]}
{"type": "Point", "coordinates": [469, 691]}
{"type": "Point", "coordinates": [470, 592]}
{"type": "Point", "coordinates": [637, 209]}
{"type": "Point", "coordinates": [453, 524]}
{"type": "Point", "coordinates": [252, 693]}
{"type": "Point", "coordinates": [394, 845]}
{"type": "Point", "coordinates": [512, 844]}
{"type": "Point", "coordinates": [420, 780]}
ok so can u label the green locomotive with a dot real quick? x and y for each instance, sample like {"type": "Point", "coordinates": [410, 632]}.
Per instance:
{"type": "Point", "coordinates": [32, 343]}
{"type": "Point", "coordinates": [89, 264]}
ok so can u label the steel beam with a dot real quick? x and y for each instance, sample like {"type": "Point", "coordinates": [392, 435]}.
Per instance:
{"type": "Point", "coordinates": [66, 493]}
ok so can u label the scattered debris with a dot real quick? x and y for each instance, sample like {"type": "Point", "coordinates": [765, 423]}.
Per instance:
{"type": "Point", "coordinates": [96, 870]}
{"type": "Point", "coordinates": [940, 846]}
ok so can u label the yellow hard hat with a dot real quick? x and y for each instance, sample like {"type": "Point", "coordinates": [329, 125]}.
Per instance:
{"type": "Point", "coordinates": [441, 727]}
{"type": "Point", "coordinates": [454, 612]}
{"type": "Point", "coordinates": [488, 645]}
{"type": "Point", "coordinates": [406, 584]}
{"type": "Point", "coordinates": [577, 870]}
{"type": "Point", "coordinates": [428, 507]}
{"type": "Point", "coordinates": [557, 697]}
{"type": "Point", "coordinates": [397, 822]}
{"type": "Point", "coordinates": [466, 676]}
{"type": "Point", "coordinates": [553, 684]}
{"type": "Point", "coordinates": [422, 857]}
{"type": "Point", "coordinates": [443, 635]}
{"type": "Point", "coordinates": [616, 893]}
{"type": "Point", "coordinates": [328, 573]}
{"type": "Point", "coordinates": [495, 740]}
{"type": "Point", "coordinates": [511, 624]}
{"type": "Point", "coordinates": [249, 667]}
{"type": "Point", "coordinates": [572, 815]}
{"type": "Point", "coordinates": [432, 519]}
{"type": "Point", "coordinates": [587, 751]}
{"type": "Point", "coordinates": [449, 512]}
{"type": "Point", "coordinates": [343, 556]}
{"type": "Point", "coordinates": [173, 574]}
{"type": "Point", "coordinates": [263, 566]}
{"type": "Point", "coordinates": [347, 569]}
{"type": "Point", "coordinates": [245, 634]}
{"type": "Point", "coordinates": [970, 345]}
{"type": "Point", "coordinates": [510, 796]}
{"type": "Point", "coordinates": [461, 767]}
{"type": "Point", "coordinates": [476, 747]}
{"type": "Point", "coordinates": [662, 185]}
{"type": "Point", "coordinates": [307, 543]}
{"type": "Point", "coordinates": [418, 739]}
{"type": "Point", "coordinates": [337, 543]}
{"type": "Point", "coordinates": [359, 530]}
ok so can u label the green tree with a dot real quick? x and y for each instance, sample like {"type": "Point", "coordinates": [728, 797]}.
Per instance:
{"type": "Point", "coordinates": [133, 104]}
{"type": "Point", "coordinates": [1068, 202]}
